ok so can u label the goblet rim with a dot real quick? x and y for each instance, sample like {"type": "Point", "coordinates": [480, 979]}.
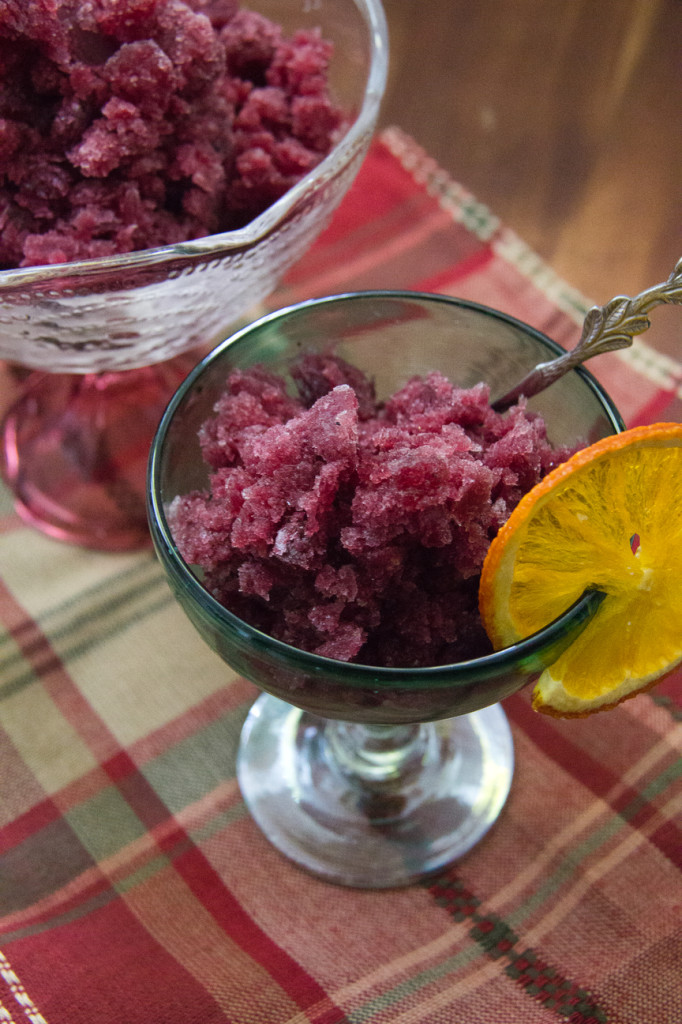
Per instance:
{"type": "Point", "coordinates": [357, 674]}
{"type": "Point", "coordinates": [221, 243]}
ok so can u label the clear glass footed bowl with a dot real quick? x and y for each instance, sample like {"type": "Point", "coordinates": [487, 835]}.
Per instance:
{"type": "Point", "coordinates": [366, 775]}
{"type": "Point", "coordinates": [109, 340]}
{"type": "Point", "coordinates": [124, 312]}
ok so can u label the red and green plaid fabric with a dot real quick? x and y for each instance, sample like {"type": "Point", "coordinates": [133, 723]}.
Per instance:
{"type": "Point", "coordinates": [134, 887]}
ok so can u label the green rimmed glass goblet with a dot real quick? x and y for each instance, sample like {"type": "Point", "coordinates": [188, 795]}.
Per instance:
{"type": "Point", "coordinates": [371, 776]}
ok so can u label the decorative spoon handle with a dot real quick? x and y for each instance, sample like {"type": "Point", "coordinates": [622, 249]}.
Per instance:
{"type": "Point", "coordinates": [605, 328]}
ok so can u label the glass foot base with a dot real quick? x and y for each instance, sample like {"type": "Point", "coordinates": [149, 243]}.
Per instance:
{"type": "Point", "coordinates": [371, 833]}
{"type": "Point", "coordinates": [75, 450]}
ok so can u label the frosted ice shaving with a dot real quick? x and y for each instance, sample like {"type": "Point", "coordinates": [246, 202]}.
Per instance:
{"type": "Point", "coordinates": [130, 124]}
{"type": "Point", "coordinates": [353, 528]}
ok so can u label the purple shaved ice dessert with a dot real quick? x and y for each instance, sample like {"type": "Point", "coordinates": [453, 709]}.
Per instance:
{"type": "Point", "coordinates": [353, 528]}
{"type": "Point", "coordinates": [130, 124]}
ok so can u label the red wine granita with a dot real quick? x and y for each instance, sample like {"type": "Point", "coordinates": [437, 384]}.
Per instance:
{"type": "Point", "coordinates": [131, 124]}
{"type": "Point", "coordinates": [351, 527]}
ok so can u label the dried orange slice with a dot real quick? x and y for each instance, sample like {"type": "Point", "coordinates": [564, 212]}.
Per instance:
{"type": "Point", "coordinates": [609, 518]}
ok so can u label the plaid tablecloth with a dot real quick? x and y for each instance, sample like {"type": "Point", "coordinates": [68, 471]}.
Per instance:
{"type": "Point", "coordinates": [135, 889]}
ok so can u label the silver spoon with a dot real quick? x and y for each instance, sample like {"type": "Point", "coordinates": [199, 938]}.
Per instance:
{"type": "Point", "coordinates": [605, 329]}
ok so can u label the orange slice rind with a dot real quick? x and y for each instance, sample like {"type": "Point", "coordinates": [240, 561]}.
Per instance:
{"type": "Point", "coordinates": [610, 518]}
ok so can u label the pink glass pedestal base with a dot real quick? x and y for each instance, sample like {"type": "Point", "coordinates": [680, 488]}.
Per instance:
{"type": "Point", "coordinates": [75, 449]}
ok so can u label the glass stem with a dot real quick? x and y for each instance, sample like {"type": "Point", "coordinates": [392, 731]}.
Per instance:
{"type": "Point", "coordinates": [377, 755]}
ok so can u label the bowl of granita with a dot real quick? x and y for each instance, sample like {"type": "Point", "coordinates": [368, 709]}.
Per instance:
{"type": "Point", "coordinates": [322, 491]}
{"type": "Point", "coordinates": [162, 164]}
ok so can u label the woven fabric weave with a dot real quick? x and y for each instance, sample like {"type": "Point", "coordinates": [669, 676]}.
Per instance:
{"type": "Point", "coordinates": [134, 887]}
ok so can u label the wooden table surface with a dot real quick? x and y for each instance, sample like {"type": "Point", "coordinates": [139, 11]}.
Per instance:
{"type": "Point", "coordinates": [563, 116]}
